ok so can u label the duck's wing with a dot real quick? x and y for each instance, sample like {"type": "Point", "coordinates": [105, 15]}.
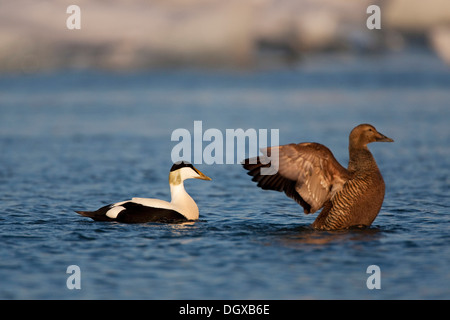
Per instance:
{"type": "Point", "coordinates": [307, 172]}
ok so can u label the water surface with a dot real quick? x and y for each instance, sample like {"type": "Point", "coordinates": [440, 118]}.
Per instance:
{"type": "Point", "coordinates": [79, 140]}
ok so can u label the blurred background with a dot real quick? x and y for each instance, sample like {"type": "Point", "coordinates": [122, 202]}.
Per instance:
{"type": "Point", "coordinates": [139, 34]}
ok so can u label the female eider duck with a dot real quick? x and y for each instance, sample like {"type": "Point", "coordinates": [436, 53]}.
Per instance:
{"type": "Point", "coordinates": [309, 173]}
{"type": "Point", "coordinates": [138, 210]}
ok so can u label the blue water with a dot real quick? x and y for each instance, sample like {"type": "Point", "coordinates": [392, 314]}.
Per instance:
{"type": "Point", "coordinates": [79, 140]}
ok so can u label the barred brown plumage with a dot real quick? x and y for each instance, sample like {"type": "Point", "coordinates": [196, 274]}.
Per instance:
{"type": "Point", "coordinates": [309, 173]}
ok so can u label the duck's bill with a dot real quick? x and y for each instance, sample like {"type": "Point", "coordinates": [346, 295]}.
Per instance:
{"type": "Point", "coordinates": [202, 176]}
{"type": "Point", "coordinates": [383, 138]}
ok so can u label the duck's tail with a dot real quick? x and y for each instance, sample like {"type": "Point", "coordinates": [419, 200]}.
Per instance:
{"type": "Point", "coordinates": [99, 215]}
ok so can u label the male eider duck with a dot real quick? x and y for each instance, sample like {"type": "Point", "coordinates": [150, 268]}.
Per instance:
{"type": "Point", "coordinates": [309, 173]}
{"type": "Point", "coordinates": [138, 210]}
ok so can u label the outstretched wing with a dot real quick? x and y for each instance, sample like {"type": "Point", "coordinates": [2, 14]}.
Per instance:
{"type": "Point", "coordinates": [307, 172]}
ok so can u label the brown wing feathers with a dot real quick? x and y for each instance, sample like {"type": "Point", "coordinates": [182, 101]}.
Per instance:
{"type": "Point", "coordinates": [273, 182]}
{"type": "Point", "coordinates": [307, 173]}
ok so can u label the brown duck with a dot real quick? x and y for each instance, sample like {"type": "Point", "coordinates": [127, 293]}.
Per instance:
{"type": "Point", "coordinates": [310, 174]}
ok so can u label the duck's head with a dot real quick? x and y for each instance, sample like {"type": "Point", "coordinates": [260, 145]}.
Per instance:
{"type": "Point", "coordinates": [364, 134]}
{"type": "Point", "coordinates": [183, 170]}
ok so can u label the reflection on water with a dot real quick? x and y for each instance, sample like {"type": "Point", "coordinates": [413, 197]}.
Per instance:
{"type": "Point", "coordinates": [307, 235]}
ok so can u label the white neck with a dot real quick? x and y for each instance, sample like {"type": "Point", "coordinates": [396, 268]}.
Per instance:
{"type": "Point", "coordinates": [183, 202]}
